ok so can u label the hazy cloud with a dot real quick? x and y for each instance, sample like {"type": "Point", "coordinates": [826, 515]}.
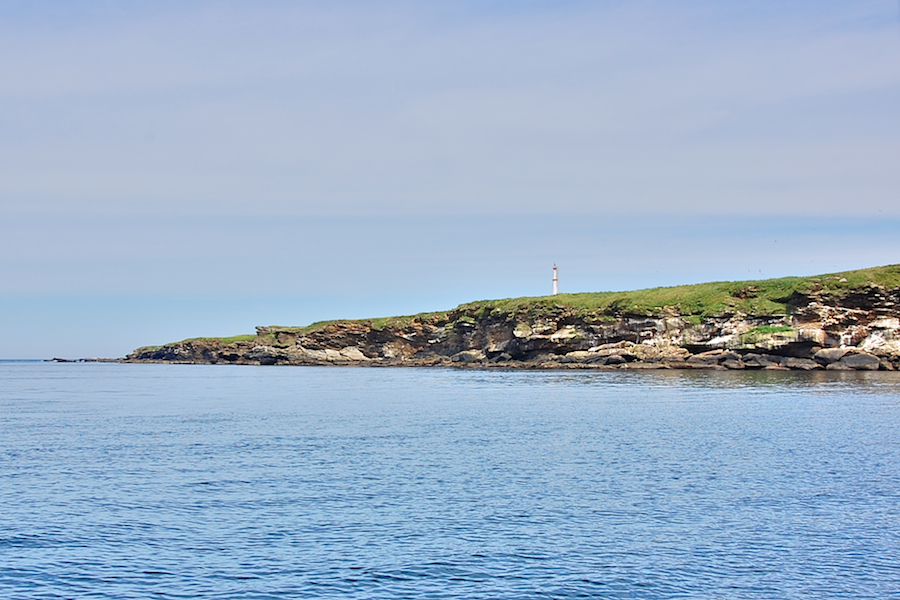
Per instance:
{"type": "Point", "coordinates": [373, 108]}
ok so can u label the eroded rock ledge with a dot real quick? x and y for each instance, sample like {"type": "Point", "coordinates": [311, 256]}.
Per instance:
{"type": "Point", "coordinates": [857, 329]}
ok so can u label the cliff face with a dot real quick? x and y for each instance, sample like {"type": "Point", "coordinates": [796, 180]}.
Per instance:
{"type": "Point", "coordinates": [819, 328]}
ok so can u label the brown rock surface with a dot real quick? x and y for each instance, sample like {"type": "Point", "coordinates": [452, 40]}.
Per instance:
{"type": "Point", "coordinates": [858, 329]}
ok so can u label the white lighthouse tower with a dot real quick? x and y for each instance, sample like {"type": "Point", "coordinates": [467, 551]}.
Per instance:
{"type": "Point", "coordinates": [555, 281]}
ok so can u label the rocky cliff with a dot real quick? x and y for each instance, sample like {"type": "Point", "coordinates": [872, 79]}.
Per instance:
{"type": "Point", "coordinates": [842, 321]}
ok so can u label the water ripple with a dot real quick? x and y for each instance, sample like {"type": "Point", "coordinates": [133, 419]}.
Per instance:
{"type": "Point", "coordinates": [135, 481]}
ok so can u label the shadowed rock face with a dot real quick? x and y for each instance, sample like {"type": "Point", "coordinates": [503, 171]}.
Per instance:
{"type": "Point", "coordinates": [857, 331]}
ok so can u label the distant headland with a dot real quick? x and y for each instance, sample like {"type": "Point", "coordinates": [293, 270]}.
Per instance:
{"type": "Point", "coordinates": [838, 321]}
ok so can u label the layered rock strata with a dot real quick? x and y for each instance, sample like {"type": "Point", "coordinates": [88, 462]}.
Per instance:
{"type": "Point", "coordinates": [858, 330]}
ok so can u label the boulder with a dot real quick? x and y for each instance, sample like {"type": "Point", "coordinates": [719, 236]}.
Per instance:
{"type": "Point", "coordinates": [302, 354]}
{"type": "Point", "coordinates": [644, 365]}
{"type": "Point", "coordinates": [397, 348]}
{"type": "Point", "coordinates": [711, 356]}
{"type": "Point", "coordinates": [838, 366]}
{"type": "Point", "coordinates": [678, 364]}
{"type": "Point", "coordinates": [265, 355]}
{"type": "Point", "coordinates": [608, 351]}
{"type": "Point", "coordinates": [467, 356]}
{"type": "Point", "coordinates": [353, 353]}
{"type": "Point", "coordinates": [498, 346]}
{"type": "Point", "coordinates": [333, 355]}
{"type": "Point", "coordinates": [674, 353]}
{"type": "Point", "coordinates": [760, 361]}
{"type": "Point", "coordinates": [803, 364]}
{"type": "Point", "coordinates": [610, 348]}
{"type": "Point", "coordinates": [566, 333]}
{"type": "Point", "coordinates": [578, 356]}
{"type": "Point", "coordinates": [672, 357]}
{"type": "Point", "coordinates": [715, 356]}
{"type": "Point", "coordinates": [826, 356]}
{"type": "Point", "coordinates": [861, 362]}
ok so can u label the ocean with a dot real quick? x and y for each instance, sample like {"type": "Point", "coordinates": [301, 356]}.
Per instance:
{"type": "Point", "coordinates": [227, 482]}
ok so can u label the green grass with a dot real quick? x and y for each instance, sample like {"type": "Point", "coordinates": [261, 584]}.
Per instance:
{"type": "Point", "coordinates": [398, 322]}
{"type": "Point", "coordinates": [766, 332]}
{"type": "Point", "coordinates": [760, 297]}
{"type": "Point", "coordinates": [222, 340]}
{"type": "Point", "coordinates": [237, 338]}
{"type": "Point", "coordinates": [767, 297]}
{"type": "Point", "coordinates": [146, 349]}
{"type": "Point", "coordinates": [771, 329]}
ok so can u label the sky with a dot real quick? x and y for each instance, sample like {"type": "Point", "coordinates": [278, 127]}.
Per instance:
{"type": "Point", "coordinates": [181, 169]}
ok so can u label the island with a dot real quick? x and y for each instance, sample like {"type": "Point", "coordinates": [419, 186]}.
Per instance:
{"type": "Point", "coordinates": [838, 321]}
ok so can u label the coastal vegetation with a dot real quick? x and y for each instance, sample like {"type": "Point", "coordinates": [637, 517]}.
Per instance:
{"type": "Point", "coordinates": [765, 297]}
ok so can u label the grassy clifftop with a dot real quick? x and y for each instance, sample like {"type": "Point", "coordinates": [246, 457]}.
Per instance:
{"type": "Point", "coordinates": [764, 297]}
{"type": "Point", "coordinates": [761, 297]}
{"type": "Point", "coordinates": [758, 297]}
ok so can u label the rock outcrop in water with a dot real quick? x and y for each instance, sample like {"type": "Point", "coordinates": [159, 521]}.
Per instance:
{"type": "Point", "coordinates": [845, 321]}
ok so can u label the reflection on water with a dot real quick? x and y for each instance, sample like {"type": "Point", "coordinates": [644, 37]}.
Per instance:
{"type": "Point", "coordinates": [260, 482]}
{"type": "Point", "coordinates": [857, 380]}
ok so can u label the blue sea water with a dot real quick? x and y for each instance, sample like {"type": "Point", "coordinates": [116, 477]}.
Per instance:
{"type": "Point", "coordinates": [175, 481]}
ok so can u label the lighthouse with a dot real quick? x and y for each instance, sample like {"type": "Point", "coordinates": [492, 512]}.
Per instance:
{"type": "Point", "coordinates": [555, 281]}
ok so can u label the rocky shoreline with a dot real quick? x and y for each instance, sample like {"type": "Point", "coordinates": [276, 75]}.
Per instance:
{"type": "Point", "coordinates": [855, 329]}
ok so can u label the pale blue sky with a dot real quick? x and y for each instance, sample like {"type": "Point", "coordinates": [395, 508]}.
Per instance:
{"type": "Point", "coordinates": [178, 169]}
